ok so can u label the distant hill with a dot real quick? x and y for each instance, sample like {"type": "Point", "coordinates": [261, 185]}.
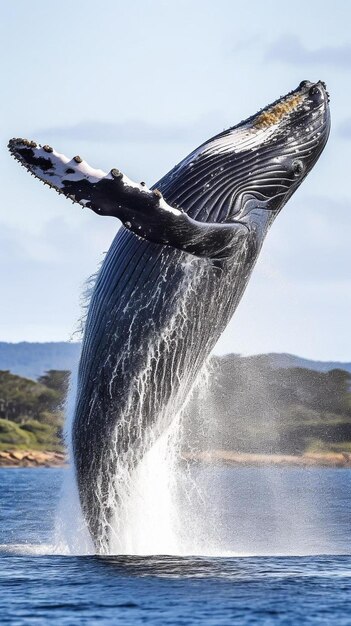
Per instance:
{"type": "Point", "coordinates": [31, 360]}
{"type": "Point", "coordinates": [283, 361]}
{"type": "Point", "coordinates": [263, 404]}
{"type": "Point", "coordinates": [251, 407]}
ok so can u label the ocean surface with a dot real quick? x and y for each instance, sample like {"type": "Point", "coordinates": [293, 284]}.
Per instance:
{"type": "Point", "coordinates": [284, 556]}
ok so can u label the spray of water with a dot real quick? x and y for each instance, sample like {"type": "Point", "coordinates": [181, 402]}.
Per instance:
{"type": "Point", "coordinates": [168, 508]}
{"type": "Point", "coordinates": [153, 513]}
{"type": "Point", "coordinates": [154, 502]}
{"type": "Point", "coordinates": [145, 520]}
{"type": "Point", "coordinates": [142, 507]}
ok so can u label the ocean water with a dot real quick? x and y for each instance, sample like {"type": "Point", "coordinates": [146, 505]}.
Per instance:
{"type": "Point", "coordinates": [279, 544]}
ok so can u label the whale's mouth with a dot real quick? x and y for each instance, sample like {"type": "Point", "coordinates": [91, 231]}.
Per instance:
{"type": "Point", "coordinates": [297, 116]}
{"type": "Point", "coordinates": [280, 145]}
{"type": "Point", "coordinates": [305, 98]}
{"type": "Point", "coordinates": [255, 160]}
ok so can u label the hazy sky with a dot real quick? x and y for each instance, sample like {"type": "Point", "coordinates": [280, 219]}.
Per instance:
{"type": "Point", "coordinates": [137, 85]}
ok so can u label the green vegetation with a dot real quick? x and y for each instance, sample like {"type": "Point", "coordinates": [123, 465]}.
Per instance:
{"type": "Point", "coordinates": [252, 407]}
{"type": "Point", "coordinates": [247, 406]}
{"type": "Point", "coordinates": [31, 412]}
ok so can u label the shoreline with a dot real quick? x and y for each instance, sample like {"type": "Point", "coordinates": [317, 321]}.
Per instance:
{"type": "Point", "coordinates": [307, 460]}
{"type": "Point", "coordinates": [32, 458]}
{"type": "Point", "coordinates": [41, 458]}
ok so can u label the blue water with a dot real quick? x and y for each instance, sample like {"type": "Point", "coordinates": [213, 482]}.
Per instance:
{"type": "Point", "coordinates": [250, 509]}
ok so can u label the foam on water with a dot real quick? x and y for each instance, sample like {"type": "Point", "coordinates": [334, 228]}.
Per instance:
{"type": "Point", "coordinates": [29, 549]}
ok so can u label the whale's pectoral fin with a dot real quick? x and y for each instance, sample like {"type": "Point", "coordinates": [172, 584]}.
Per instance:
{"type": "Point", "coordinates": [142, 210]}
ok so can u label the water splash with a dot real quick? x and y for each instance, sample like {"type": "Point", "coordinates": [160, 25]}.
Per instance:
{"type": "Point", "coordinates": [145, 521]}
{"type": "Point", "coordinates": [150, 499]}
{"type": "Point", "coordinates": [139, 489]}
{"type": "Point", "coordinates": [71, 534]}
{"type": "Point", "coordinates": [154, 512]}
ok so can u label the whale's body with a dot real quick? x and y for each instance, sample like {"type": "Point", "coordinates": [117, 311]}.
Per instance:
{"type": "Point", "coordinates": [155, 315]}
{"type": "Point", "coordinates": [157, 311]}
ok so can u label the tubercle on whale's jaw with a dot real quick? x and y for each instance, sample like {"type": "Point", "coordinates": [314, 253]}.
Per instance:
{"type": "Point", "coordinates": [275, 111]}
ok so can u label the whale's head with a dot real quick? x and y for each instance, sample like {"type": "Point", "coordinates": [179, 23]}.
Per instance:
{"type": "Point", "coordinates": [261, 161]}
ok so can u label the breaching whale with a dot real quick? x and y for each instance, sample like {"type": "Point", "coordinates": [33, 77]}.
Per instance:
{"type": "Point", "coordinates": [172, 277]}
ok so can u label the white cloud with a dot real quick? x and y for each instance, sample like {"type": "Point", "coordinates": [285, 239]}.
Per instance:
{"type": "Point", "coordinates": [289, 49]}
{"type": "Point", "coordinates": [130, 131]}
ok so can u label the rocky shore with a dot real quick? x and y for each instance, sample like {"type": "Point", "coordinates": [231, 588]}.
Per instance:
{"type": "Point", "coordinates": [320, 459]}
{"type": "Point", "coordinates": [36, 458]}
{"type": "Point", "coordinates": [31, 458]}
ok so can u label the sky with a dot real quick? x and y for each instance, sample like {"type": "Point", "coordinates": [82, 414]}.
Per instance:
{"type": "Point", "coordinates": [137, 85]}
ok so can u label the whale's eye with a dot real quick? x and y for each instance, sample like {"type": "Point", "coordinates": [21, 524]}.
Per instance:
{"type": "Point", "coordinates": [297, 168]}
{"type": "Point", "coordinates": [314, 91]}
{"type": "Point", "coordinates": [316, 95]}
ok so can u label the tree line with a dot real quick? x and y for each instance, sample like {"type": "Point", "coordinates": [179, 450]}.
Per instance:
{"type": "Point", "coordinates": [32, 412]}
{"type": "Point", "coordinates": [245, 406]}
{"type": "Point", "coordinates": [248, 406]}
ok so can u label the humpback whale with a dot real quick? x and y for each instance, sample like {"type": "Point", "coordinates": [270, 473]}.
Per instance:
{"type": "Point", "coordinates": [173, 276]}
